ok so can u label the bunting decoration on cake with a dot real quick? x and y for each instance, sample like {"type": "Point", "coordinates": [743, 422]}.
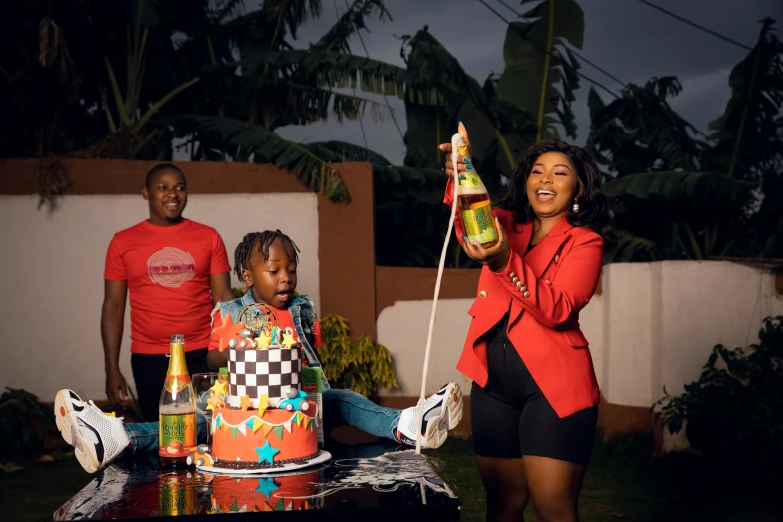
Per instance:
{"type": "Point", "coordinates": [256, 422]}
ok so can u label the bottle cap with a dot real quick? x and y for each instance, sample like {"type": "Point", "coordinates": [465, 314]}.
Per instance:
{"type": "Point", "coordinates": [178, 338]}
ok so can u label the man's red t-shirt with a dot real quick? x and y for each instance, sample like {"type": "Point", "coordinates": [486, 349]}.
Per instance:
{"type": "Point", "coordinates": [167, 270]}
{"type": "Point", "coordinates": [284, 320]}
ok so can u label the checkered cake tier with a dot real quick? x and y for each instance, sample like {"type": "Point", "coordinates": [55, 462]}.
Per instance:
{"type": "Point", "coordinates": [256, 372]}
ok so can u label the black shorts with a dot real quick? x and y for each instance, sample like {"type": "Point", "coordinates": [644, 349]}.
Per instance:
{"type": "Point", "coordinates": [149, 372]}
{"type": "Point", "coordinates": [510, 417]}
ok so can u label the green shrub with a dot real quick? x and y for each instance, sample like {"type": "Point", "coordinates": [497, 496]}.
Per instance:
{"type": "Point", "coordinates": [360, 365]}
{"type": "Point", "coordinates": [734, 412]}
{"type": "Point", "coordinates": [23, 421]}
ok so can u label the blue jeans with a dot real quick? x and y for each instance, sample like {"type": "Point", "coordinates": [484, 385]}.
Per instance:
{"type": "Point", "coordinates": [341, 407]}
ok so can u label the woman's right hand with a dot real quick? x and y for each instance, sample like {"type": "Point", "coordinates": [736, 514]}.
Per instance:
{"type": "Point", "coordinates": [463, 163]}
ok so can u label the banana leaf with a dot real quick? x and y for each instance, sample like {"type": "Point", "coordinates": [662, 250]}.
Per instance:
{"type": "Point", "coordinates": [537, 58]}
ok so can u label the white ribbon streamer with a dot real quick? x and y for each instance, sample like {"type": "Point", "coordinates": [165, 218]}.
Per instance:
{"type": "Point", "coordinates": [456, 140]}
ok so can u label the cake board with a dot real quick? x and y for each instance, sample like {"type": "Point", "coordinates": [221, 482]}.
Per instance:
{"type": "Point", "coordinates": [321, 457]}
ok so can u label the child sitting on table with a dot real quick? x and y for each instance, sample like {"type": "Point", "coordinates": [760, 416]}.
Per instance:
{"type": "Point", "coordinates": [266, 262]}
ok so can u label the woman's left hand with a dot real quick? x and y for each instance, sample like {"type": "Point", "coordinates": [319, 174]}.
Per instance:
{"type": "Point", "coordinates": [495, 257]}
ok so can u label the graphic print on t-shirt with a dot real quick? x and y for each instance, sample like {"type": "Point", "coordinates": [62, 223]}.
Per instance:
{"type": "Point", "coordinates": [171, 267]}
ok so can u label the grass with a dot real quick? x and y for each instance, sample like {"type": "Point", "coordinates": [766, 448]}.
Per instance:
{"type": "Point", "coordinates": [623, 482]}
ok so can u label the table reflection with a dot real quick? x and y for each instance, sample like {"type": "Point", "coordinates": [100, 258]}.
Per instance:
{"type": "Point", "coordinates": [378, 476]}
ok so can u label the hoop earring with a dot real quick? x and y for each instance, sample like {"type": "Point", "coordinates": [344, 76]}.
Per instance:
{"type": "Point", "coordinates": [576, 205]}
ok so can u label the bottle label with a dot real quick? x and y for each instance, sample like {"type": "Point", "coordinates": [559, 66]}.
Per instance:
{"type": "Point", "coordinates": [479, 223]}
{"type": "Point", "coordinates": [176, 383]}
{"type": "Point", "coordinates": [177, 434]}
{"type": "Point", "coordinates": [177, 499]}
{"type": "Point", "coordinates": [470, 181]}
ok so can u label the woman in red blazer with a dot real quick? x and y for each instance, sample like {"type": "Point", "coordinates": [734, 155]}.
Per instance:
{"type": "Point", "coordinates": [534, 400]}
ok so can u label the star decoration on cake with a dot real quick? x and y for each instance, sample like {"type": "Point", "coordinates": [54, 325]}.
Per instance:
{"type": "Point", "coordinates": [219, 388]}
{"type": "Point", "coordinates": [266, 486]}
{"type": "Point", "coordinates": [227, 331]}
{"type": "Point", "coordinates": [263, 340]}
{"type": "Point", "coordinates": [288, 339]}
{"type": "Point", "coordinates": [214, 401]}
{"type": "Point", "coordinates": [244, 402]}
{"type": "Point", "coordinates": [267, 453]}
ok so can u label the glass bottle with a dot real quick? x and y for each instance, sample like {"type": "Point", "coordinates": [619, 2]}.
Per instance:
{"type": "Point", "coordinates": [177, 408]}
{"type": "Point", "coordinates": [473, 201]}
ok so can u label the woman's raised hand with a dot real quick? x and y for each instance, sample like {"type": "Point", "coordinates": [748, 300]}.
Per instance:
{"type": "Point", "coordinates": [463, 163]}
{"type": "Point", "coordinates": [495, 257]}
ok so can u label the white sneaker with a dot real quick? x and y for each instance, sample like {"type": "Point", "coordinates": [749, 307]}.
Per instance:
{"type": "Point", "coordinates": [442, 412]}
{"type": "Point", "coordinates": [97, 438]}
{"type": "Point", "coordinates": [103, 490]}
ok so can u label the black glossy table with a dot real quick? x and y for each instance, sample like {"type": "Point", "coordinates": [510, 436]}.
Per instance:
{"type": "Point", "coordinates": [370, 482]}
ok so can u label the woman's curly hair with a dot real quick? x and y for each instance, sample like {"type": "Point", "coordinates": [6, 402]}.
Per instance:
{"type": "Point", "coordinates": [593, 203]}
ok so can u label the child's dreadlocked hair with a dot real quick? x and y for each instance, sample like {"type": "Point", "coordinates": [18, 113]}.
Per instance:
{"type": "Point", "coordinates": [263, 240]}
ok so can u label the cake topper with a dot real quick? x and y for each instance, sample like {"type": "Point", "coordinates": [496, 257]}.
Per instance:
{"type": "Point", "coordinates": [257, 317]}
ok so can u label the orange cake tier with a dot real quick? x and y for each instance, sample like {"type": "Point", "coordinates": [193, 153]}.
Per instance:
{"type": "Point", "coordinates": [243, 439]}
{"type": "Point", "coordinates": [279, 493]}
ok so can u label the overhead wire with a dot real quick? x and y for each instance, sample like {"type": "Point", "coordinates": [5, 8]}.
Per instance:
{"type": "Point", "coordinates": [543, 49]}
{"type": "Point", "coordinates": [575, 53]}
{"type": "Point", "coordinates": [388, 105]}
{"type": "Point", "coordinates": [694, 24]}
{"type": "Point", "coordinates": [361, 121]}
{"type": "Point", "coordinates": [621, 82]}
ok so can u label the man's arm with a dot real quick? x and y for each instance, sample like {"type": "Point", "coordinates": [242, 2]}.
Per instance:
{"type": "Point", "coordinates": [217, 359]}
{"type": "Point", "coordinates": [112, 319]}
{"type": "Point", "coordinates": [220, 285]}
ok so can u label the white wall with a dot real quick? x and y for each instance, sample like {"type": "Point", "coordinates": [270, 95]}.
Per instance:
{"type": "Point", "coordinates": [403, 327]}
{"type": "Point", "coordinates": [654, 324]}
{"type": "Point", "coordinates": [52, 278]}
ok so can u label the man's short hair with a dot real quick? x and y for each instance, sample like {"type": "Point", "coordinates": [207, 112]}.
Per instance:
{"type": "Point", "coordinates": [160, 167]}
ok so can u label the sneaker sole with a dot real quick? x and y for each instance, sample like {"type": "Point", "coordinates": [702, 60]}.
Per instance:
{"type": "Point", "coordinates": [71, 431]}
{"type": "Point", "coordinates": [435, 436]}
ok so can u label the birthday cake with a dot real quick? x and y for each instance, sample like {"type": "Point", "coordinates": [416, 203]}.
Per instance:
{"type": "Point", "coordinates": [262, 418]}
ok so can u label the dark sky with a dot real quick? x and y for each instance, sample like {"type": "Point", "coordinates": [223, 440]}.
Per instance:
{"type": "Point", "coordinates": [629, 39]}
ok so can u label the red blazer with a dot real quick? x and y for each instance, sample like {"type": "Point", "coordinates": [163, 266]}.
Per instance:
{"type": "Point", "coordinates": [558, 277]}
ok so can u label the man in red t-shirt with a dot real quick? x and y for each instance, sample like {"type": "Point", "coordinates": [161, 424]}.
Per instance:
{"type": "Point", "coordinates": [175, 271]}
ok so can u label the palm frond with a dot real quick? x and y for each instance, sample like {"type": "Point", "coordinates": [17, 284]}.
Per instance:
{"type": "Point", "coordinates": [350, 23]}
{"type": "Point", "coordinates": [267, 147]}
{"type": "Point", "coordinates": [749, 134]}
{"type": "Point", "coordinates": [640, 130]}
{"type": "Point", "coordinates": [537, 59]}
{"type": "Point", "coordinates": [341, 151]}
{"type": "Point", "coordinates": [294, 13]}
{"type": "Point", "coordinates": [340, 71]}
{"type": "Point", "coordinates": [223, 10]}
{"type": "Point", "coordinates": [631, 247]}
{"type": "Point", "coordinates": [676, 186]}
